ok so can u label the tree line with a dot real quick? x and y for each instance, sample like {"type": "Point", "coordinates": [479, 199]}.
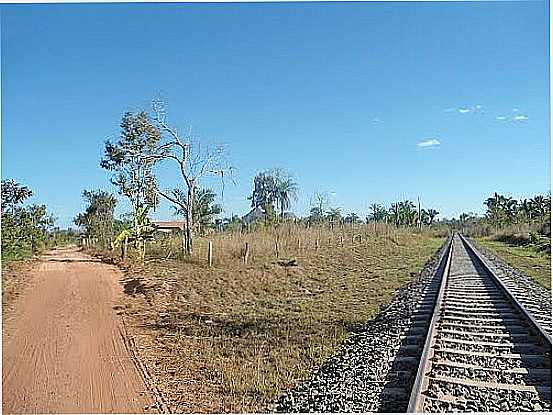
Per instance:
{"type": "Point", "coordinates": [26, 229]}
{"type": "Point", "coordinates": [149, 144]}
{"type": "Point", "coordinates": [503, 212]}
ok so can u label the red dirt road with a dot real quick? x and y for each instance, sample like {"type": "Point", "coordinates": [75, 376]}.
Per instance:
{"type": "Point", "coordinates": [64, 348]}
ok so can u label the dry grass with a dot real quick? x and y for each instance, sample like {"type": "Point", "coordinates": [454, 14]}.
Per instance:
{"type": "Point", "coordinates": [231, 337]}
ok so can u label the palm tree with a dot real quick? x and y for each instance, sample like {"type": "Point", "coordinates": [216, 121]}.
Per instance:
{"type": "Point", "coordinates": [334, 215]}
{"type": "Point", "coordinates": [286, 190]}
{"type": "Point", "coordinates": [510, 207]}
{"type": "Point", "coordinates": [432, 213]}
{"type": "Point", "coordinates": [527, 209]}
{"type": "Point", "coordinates": [408, 213]}
{"type": "Point", "coordinates": [540, 205]}
{"type": "Point", "coordinates": [377, 212]}
{"type": "Point", "coordinates": [496, 205]}
{"type": "Point", "coordinates": [395, 213]}
{"type": "Point", "coordinates": [351, 218]}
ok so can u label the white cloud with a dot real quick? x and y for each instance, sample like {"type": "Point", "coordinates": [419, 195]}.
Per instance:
{"type": "Point", "coordinates": [431, 142]}
{"type": "Point", "coordinates": [466, 110]}
{"type": "Point", "coordinates": [520, 118]}
{"type": "Point", "coordinates": [376, 120]}
{"type": "Point", "coordinates": [501, 117]}
{"type": "Point", "coordinates": [515, 109]}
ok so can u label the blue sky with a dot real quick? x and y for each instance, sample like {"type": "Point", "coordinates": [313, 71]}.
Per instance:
{"type": "Point", "coordinates": [342, 95]}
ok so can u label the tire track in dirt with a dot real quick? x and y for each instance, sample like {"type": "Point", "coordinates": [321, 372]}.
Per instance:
{"type": "Point", "coordinates": [65, 349]}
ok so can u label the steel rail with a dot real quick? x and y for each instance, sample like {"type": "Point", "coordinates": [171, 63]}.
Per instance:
{"type": "Point", "coordinates": [519, 306]}
{"type": "Point", "coordinates": [420, 379]}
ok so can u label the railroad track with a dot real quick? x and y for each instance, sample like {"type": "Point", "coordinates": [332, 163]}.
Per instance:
{"type": "Point", "coordinates": [488, 347]}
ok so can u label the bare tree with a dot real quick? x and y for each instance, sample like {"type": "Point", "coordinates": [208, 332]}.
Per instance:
{"type": "Point", "coordinates": [193, 163]}
{"type": "Point", "coordinates": [320, 200]}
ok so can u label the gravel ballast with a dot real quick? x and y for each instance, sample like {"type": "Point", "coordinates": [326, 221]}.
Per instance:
{"type": "Point", "coordinates": [535, 298]}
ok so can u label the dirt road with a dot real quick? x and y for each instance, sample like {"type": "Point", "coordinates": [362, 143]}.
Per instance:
{"type": "Point", "coordinates": [64, 348]}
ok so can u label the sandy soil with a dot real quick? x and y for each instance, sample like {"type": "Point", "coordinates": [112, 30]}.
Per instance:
{"type": "Point", "coordinates": [64, 346]}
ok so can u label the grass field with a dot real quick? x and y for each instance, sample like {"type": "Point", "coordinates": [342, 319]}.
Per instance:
{"type": "Point", "coordinates": [229, 338]}
{"type": "Point", "coordinates": [535, 264]}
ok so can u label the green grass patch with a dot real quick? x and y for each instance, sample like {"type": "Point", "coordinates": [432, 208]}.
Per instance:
{"type": "Point", "coordinates": [526, 258]}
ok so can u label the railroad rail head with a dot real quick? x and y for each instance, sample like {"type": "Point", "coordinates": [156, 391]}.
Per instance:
{"type": "Point", "coordinates": [420, 379]}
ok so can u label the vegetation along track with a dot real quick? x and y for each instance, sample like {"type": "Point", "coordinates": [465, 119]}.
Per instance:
{"type": "Point", "coordinates": [484, 349]}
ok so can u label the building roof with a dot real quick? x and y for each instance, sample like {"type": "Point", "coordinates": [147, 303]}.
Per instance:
{"type": "Point", "coordinates": [169, 224]}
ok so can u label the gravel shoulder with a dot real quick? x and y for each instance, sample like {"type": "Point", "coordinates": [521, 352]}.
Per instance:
{"type": "Point", "coordinates": [532, 294]}
{"type": "Point", "coordinates": [64, 346]}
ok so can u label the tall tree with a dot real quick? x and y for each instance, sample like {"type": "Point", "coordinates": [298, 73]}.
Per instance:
{"type": "Point", "coordinates": [13, 194]}
{"type": "Point", "coordinates": [320, 199]}
{"type": "Point", "coordinates": [377, 213]}
{"type": "Point", "coordinates": [495, 209]}
{"type": "Point", "coordinates": [265, 192]}
{"type": "Point", "coordinates": [408, 213]}
{"type": "Point", "coordinates": [286, 190]}
{"type": "Point", "coordinates": [97, 219]}
{"type": "Point", "coordinates": [395, 213]}
{"type": "Point", "coordinates": [193, 163]}
{"type": "Point", "coordinates": [130, 160]}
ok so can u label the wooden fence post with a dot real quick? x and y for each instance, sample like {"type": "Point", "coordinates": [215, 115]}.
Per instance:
{"type": "Point", "coordinates": [210, 253]}
{"type": "Point", "coordinates": [246, 253]}
{"type": "Point", "coordinates": [125, 247]}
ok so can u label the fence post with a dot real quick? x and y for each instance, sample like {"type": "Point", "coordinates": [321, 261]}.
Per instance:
{"type": "Point", "coordinates": [210, 253]}
{"type": "Point", "coordinates": [276, 248]}
{"type": "Point", "coordinates": [125, 247]}
{"type": "Point", "coordinates": [341, 240]}
{"type": "Point", "coordinates": [246, 253]}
